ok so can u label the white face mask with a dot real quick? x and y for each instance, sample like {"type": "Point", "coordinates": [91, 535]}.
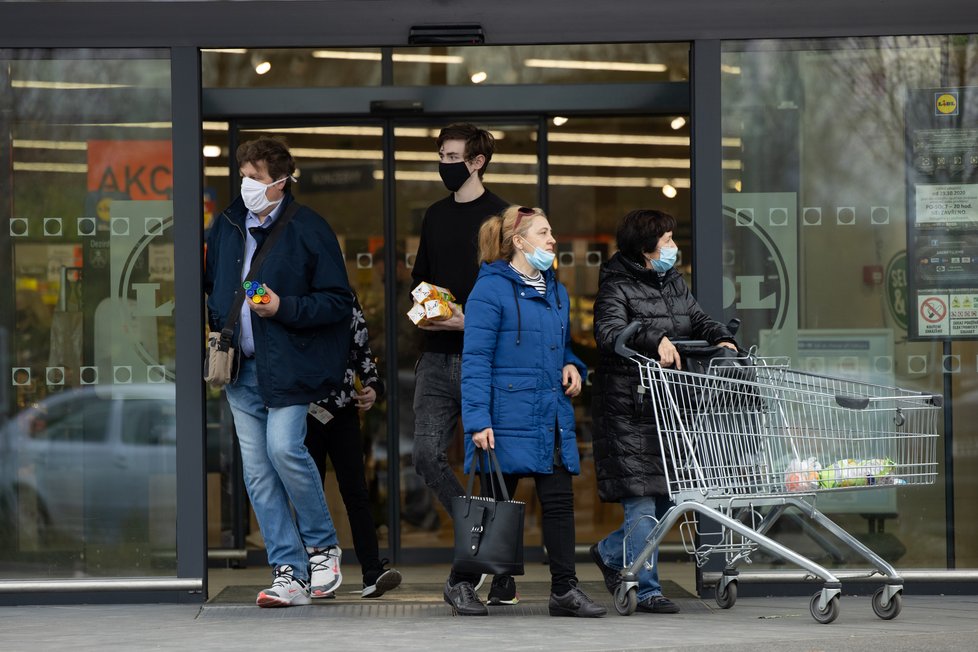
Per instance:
{"type": "Point", "coordinates": [253, 194]}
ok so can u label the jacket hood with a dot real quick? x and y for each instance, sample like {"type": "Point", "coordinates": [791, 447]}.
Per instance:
{"type": "Point", "coordinates": [619, 265]}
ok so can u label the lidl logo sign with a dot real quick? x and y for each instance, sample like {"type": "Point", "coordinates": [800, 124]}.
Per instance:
{"type": "Point", "coordinates": [946, 103]}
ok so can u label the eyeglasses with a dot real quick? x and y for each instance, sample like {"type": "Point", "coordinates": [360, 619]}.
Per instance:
{"type": "Point", "coordinates": [522, 212]}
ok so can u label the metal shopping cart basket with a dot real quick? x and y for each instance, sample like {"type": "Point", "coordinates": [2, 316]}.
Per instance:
{"type": "Point", "coordinates": [743, 443]}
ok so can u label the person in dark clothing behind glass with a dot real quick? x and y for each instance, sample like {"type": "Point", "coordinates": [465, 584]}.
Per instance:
{"type": "Point", "coordinates": [333, 428]}
{"type": "Point", "coordinates": [448, 256]}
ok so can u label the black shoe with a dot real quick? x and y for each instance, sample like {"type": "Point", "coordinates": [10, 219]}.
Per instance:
{"type": "Point", "coordinates": [612, 578]}
{"type": "Point", "coordinates": [463, 600]}
{"type": "Point", "coordinates": [575, 603]}
{"type": "Point", "coordinates": [658, 604]}
{"type": "Point", "coordinates": [503, 591]}
{"type": "Point", "coordinates": [379, 581]}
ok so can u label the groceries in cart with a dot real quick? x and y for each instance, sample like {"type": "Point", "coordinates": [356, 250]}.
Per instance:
{"type": "Point", "coordinates": [802, 475]}
{"type": "Point", "coordinates": [809, 475]}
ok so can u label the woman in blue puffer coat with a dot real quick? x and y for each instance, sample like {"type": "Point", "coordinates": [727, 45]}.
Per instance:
{"type": "Point", "coordinates": [518, 378]}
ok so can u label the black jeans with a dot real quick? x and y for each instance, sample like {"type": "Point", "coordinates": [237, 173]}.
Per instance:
{"type": "Point", "coordinates": [437, 408]}
{"type": "Point", "coordinates": [342, 439]}
{"type": "Point", "coordinates": [556, 494]}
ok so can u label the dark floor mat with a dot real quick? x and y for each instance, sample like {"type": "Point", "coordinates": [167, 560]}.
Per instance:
{"type": "Point", "coordinates": [531, 593]}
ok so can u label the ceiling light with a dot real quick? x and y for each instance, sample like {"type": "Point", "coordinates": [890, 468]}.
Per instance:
{"type": "Point", "coordinates": [50, 144]}
{"type": "Point", "coordinates": [263, 67]}
{"type": "Point", "coordinates": [479, 77]}
{"type": "Point", "coordinates": [60, 85]}
{"type": "Point", "coordinates": [730, 70]}
{"type": "Point", "coordinates": [560, 120]}
{"type": "Point", "coordinates": [614, 139]}
{"type": "Point", "coordinates": [427, 58]}
{"type": "Point", "coordinates": [131, 125]}
{"type": "Point", "coordinates": [678, 123]}
{"type": "Point", "coordinates": [211, 151]}
{"type": "Point", "coordinates": [346, 54]}
{"type": "Point", "coordinates": [619, 66]}
{"type": "Point", "coordinates": [226, 50]}
{"type": "Point", "coordinates": [27, 166]}
{"type": "Point", "coordinates": [669, 190]}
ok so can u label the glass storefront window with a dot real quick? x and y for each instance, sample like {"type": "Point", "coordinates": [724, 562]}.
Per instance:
{"type": "Point", "coordinates": [87, 428]}
{"type": "Point", "coordinates": [541, 64]}
{"type": "Point", "coordinates": [821, 173]}
{"type": "Point", "coordinates": [606, 63]}
{"type": "Point", "coordinates": [290, 68]}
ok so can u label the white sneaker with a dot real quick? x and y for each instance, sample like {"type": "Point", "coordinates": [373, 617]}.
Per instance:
{"type": "Point", "coordinates": [325, 567]}
{"type": "Point", "coordinates": [285, 591]}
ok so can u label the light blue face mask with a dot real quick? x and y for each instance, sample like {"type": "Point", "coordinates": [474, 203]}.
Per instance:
{"type": "Point", "coordinates": [540, 259]}
{"type": "Point", "coordinates": [665, 261]}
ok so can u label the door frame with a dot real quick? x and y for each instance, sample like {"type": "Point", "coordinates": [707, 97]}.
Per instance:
{"type": "Point", "coordinates": [530, 104]}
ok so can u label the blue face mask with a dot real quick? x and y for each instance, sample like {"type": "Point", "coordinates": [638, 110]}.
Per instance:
{"type": "Point", "coordinates": [540, 259]}
{"type": "Point", "coordinates": [665, 261]}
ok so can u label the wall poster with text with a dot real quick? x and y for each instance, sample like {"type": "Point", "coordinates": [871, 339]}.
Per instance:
{"type": "Point", "coordinates": [942, 213]}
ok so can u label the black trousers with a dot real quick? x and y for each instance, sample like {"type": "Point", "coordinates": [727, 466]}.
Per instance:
{"type": "Point", "coordinates": [342, 440]}
{"type": "Point", "coordinates": [556, 494]}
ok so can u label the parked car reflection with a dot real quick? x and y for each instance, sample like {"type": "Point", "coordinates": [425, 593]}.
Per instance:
{"type": "Point", "coordinates": [92, 465]}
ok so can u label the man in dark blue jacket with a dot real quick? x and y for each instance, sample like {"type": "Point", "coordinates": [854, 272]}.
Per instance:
{"type": "Point", "coordinates": [290, 351]}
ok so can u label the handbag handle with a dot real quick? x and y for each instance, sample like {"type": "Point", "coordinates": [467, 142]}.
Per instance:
{"type": "Point", "coordinates": [493, 462]}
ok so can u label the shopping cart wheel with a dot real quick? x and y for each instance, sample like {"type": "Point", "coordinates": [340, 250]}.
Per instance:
{"type": "Point", "coordinates": [892, 609]}
{"type": "Point", "coordinates": [626, 601]}
{"type": "Point", "coordinates": [831, 611]}
{"type": "Point", "coordinates": [726, 595]}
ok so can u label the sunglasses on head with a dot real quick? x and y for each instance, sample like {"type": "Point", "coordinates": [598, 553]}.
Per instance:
{"type": "Point", "coordinates": [522, 212]}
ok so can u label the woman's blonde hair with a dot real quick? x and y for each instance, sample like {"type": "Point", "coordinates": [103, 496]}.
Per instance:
{"type": "Point", "coordinates": [496, 233]}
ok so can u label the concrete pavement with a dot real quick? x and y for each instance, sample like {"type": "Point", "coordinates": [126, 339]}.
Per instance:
{"type": "Point", "coordinates": [413, 618]}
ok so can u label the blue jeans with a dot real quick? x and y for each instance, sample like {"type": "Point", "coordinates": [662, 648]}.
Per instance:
{"type": "Point", "coordinates": [278, 470]}
{"type": "Point", "coordinates": [437, 408]}
{"type": "Point", "coordinates": [610, 548]}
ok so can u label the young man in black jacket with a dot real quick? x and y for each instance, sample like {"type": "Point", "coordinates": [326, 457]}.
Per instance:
{"type": "Point", "coordinates": [448, 256]}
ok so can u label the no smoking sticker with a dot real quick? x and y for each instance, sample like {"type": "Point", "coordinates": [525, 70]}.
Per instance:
{"type": "Point", "coordinates": [933, 315]}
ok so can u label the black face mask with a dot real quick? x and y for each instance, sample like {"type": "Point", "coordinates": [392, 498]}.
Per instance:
{"type": "Point", "coordinates": [454, 175]}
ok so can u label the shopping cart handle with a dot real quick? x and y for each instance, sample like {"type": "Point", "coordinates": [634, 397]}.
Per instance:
{"type": "Point", "coordinates": [852, 402]}
{"type": "Point", "coordinates": [620, 347]}
{"type": "Point", "coordinates": [691, 344]}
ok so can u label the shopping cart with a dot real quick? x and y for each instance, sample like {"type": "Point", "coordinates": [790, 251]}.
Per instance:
{"type": "Point", "coordinates": [744, 442]}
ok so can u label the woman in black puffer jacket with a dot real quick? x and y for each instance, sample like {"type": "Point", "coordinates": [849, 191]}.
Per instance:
{"type": "Point", "coordinates": [639, 282]}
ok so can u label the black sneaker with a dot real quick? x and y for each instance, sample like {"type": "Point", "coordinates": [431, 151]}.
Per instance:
{"type": "Point", "coordinates": [463, 600]}
{"type": "Point", "coordinates": [658, 604]}
{"type": "Point", "coordinates": [612, 578]}
{"type": "Point", "coordinates": [503, 591]}
{"type": "Point", "coordinates": [575, 603]}
{"type": "Point", "coordinates": [378, 581]}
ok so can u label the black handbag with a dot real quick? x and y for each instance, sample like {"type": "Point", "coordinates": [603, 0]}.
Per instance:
{"type": "Point", "coordinates": [488, 532]}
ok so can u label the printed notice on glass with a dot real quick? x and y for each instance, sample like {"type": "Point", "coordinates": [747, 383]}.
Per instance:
{"type": "Point", "coordinates": [950, 204]}
{"type": "Point", "coordinates": [953, 314]}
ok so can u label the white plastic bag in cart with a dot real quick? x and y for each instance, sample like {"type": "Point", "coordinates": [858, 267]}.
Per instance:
{"type": "Point", "coordinates": [802, 475]}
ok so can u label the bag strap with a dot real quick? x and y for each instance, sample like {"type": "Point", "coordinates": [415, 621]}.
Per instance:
{"type": "Point", "coordinates": [228, 331]}
{"type": "Point", "coordinates": [493, 463]}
